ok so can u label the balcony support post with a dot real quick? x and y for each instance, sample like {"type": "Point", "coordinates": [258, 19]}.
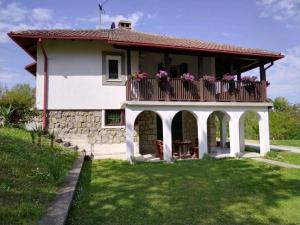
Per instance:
{"type": "Point", "coordinates": [167, 66]}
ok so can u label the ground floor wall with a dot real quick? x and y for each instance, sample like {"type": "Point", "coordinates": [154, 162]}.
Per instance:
{"type": "Point", "coordinates": [85, 123]}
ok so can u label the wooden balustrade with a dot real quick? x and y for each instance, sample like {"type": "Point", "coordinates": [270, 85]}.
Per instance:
{"type": "Point", "coordinates": [175, 89]}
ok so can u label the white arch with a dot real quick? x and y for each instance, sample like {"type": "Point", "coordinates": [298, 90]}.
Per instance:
{"type": "Point", "coordinates": [263, 123]}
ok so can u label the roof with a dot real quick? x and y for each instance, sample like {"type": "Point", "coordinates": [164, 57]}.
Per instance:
{"type": "Point", "coordinates": [134, 38]}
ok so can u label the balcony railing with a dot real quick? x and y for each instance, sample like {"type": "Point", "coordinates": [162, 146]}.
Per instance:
{"type": "Point", "coordinates": [175, 89]}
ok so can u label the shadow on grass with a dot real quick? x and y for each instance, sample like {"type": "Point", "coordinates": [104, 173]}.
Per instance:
{"type": "Point", "coordinates": [186, 192]}
{"type": "Point", "coordinates": [29, 176]}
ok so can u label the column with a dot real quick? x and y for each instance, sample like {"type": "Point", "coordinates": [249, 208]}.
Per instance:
{"type": "Point", "coordinates": [264, 137]}
{"type": "Point", "coordinates": [130, 118]}
{"type": "Point", "coordinates": [234, 135]}
{"type": "Point", "coordinates": [202, 132]}
{"type": "Point", "coordinates": [167, 137]}
{"type": "Point", "coordinates": [242, 135]}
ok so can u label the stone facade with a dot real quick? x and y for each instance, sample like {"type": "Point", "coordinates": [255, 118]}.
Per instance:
{"type": "Point", "coordinates": [74, 123]}
{"type": "Point", "coordinates": [146, 132]}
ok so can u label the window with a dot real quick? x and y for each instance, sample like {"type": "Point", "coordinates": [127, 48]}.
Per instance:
{"type": "Point", "coordinates": [114, 117]}
{"type": "Point", "coordinates": [113, 65]}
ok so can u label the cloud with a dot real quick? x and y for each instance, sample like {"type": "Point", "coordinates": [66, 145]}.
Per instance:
{"type": "Point", "coordinates": [280, 10]}
{"type": "Point", "coordinates": [41, 14]}
{"type": "Point", "coordinates": [14, 17]}
{"type": "Point", "coordinates": [285, 76]}
{"type": "Point", "coordinates": [107, 19]}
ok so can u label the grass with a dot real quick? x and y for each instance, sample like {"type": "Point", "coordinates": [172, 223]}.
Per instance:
{"type": "Point", "coordinates": [295, 143]}
{"type": "Point", "coordinates": [224, 191]}
{"type": "Point", "coordinates": [29, 176]}
{"type": "Point", "coordinates": [284, 156]}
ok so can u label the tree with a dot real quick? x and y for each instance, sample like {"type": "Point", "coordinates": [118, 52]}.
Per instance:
{"type": "Point", "coordinates": [281, 104]}
{"type": "Point", "coordinates": [20, 99]}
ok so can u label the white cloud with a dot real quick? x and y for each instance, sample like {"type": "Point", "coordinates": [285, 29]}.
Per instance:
{"type": "Point", "coordinates": [280, 9]}
{"type": "Point", "coordinates": [41, 14]}
{"type": "Point", "coordinates": [15, 17]}
{"type": "Point", "coordinates": [107, 19]}
{"type": "Point", "coordinates": [285, 76]}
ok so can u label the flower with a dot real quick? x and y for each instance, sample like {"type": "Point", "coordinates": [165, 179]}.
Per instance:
{"type": "Point", "coordinates": [138, 76]}
{"type": "Point", "coordinates": [249, 79]}
{"type": "Point", "coordinates": [209, 78]}
{"type": "Point", "coordinates": [228, 77]}
{"type": "Point", "coordinates": [161, 74]}
{"type": "Point", "coordinates": [188, 77]}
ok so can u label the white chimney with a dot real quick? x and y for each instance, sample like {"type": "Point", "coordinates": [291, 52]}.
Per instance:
{"type": "Point", "coordinates": [124, 24]}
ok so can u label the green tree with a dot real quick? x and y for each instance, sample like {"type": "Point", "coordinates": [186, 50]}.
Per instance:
{"type": "Point", "coordinates": [20, 99]}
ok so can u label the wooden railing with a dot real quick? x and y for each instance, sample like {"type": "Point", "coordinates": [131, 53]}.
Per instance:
{"type": "Point", "coordinates": [175, 89]}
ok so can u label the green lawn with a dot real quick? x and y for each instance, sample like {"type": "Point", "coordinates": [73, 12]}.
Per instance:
{"type": "Point", "coordinates": [295, 143]}
{"type": "Point", "coordinates": [208, 191]}
{"type": "Point", "coordinates": [29, 176]}
{"type": "Point", "coordinates": [284, 156]}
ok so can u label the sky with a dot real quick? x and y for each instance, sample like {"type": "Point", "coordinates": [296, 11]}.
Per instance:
{"type": "Point", "coordinates": [267, 24]}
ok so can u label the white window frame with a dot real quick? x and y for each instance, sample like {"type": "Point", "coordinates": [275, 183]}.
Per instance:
{"type": "Point", "coordinates": [113, 57]}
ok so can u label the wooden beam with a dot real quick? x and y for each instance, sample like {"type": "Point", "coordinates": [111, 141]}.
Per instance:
{"type": "Point", "coordinates": [128, 51]}
{"type": "Point", "coordinates": [262, 72]}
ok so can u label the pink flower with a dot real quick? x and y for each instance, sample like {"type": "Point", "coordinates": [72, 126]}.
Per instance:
{"type": "Point", "coordinates": [209, 78]}
{"type": "Point", "coordinates": [228, 77]}
{"type": "Point", "coordinates": [188, 77]}
{"type": "Point", "coordinates": [161, 74]}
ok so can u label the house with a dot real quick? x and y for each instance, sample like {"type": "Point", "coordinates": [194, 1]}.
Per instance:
{"type": "Point", "coordinates": [86, 92]}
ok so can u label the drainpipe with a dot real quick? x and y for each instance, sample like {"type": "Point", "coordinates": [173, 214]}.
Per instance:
{"type": "Point", "coordinates": [45, 84]}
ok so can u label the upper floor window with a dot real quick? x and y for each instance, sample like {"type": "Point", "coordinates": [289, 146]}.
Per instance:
{"type": "Point", "coordinates": [113, 65]}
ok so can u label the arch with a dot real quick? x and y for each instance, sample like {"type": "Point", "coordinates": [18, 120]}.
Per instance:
{"type": "Point", "coordinates": [184, 127]}
{"type": "Point", "coordinates": [218, 128]}
{"type": "Point", "coordinates": [147, 129]}
{"type": "Point", "coordinates": [242, 129]}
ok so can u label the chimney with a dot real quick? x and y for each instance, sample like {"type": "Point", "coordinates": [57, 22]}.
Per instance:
{"type": "Point", "coordinates": [124, 24]}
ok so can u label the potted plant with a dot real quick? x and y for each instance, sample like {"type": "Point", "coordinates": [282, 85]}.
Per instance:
{"type": "Point", "coordinates": [162, 77]}
{"type": "Point", "coordinates": [249, 82]}
{"type": "Point", "coordinates": [187, 79]}
{"type": "Point", "coordinates": [228, 78]}
{"type": "Point", "coordinates": [209, 79]}
{"type": "Point", "coordinates": [139, 76]}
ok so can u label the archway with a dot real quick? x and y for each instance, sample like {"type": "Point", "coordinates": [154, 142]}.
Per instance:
{"type": "Point", "coordinates": [184, 134]}
{"type": "Point", "coordinates": [147, 129]}
{"type": "Point", "coordinates": [249, 131]}
{"type": "Point", "coordinates": [218, 133]}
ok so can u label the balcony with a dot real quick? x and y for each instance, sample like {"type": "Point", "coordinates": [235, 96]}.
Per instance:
{"type": "Point", "coordinates": [175, 89]}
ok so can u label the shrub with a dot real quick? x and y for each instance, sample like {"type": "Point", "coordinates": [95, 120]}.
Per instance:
{"type": "Point", "coordinates": [17, 103]}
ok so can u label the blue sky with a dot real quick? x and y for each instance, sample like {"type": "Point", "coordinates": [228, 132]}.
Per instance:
{"type": "Point", "coordinates": [268, 24]}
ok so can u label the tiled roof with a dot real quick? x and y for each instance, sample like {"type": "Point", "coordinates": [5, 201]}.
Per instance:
{"type": "Point", "coordinates": [130, 37]}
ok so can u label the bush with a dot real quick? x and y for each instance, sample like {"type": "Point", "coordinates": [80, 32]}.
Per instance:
{"type": "Point", "coordinates": [17, 105]}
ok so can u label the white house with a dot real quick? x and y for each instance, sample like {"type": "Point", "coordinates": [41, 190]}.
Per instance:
{"type": "Point", "coordinates": [86, 91]}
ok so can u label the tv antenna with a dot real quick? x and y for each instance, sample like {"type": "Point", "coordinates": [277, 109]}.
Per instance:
{"type": "Point", "coordinates": [101, 11]}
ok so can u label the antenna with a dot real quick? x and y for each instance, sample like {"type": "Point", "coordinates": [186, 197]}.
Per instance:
{"type": "Point", "coordinates": [101, 10]}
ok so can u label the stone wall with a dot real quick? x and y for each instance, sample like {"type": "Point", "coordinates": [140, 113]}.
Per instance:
{"type": "Point", "coordinates": [75, 123]}
{"type": "Point", "coordinates": [146, 132]}
{"type": "Point", "coordinates": [189, 126]}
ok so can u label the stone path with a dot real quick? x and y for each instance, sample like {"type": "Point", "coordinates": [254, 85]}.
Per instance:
{"type": "Point", "coordinates": [277, 163]}
{"type": "Point", "coordinates": [275, 147]}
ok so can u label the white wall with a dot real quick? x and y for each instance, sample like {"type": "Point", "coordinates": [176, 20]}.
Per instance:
{"type": "Point", "coordinates": [75, 76]}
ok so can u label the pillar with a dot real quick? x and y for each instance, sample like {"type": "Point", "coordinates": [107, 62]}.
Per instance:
{"type": "Point", "coordinates": [130, 118]}
{"type": "Point", "coordinates": [264, 136]}
{"type": "Point", "coordinates": [242, 132]}
{"type": "Point", "coordinates": [202, 132]}
{"type": "Point", "coordinates": [167, 117]}
{"type": "Point", "coordinates": [234, 135]}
